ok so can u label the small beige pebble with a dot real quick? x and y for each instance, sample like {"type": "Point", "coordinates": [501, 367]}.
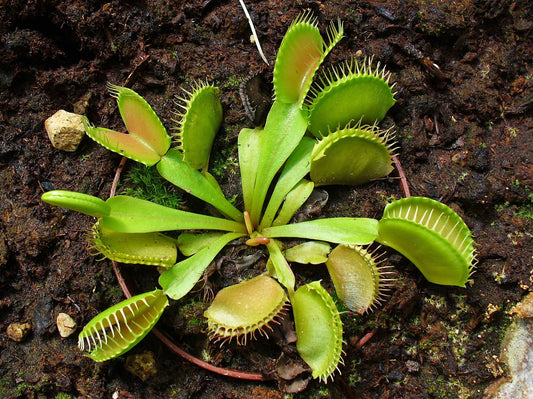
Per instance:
{"type": "Point", "coordinates": [65, 324]}
{"type": "Point", "coordinates": [18, 331]}
{"type": "Point", "coordinates": [65, 130]}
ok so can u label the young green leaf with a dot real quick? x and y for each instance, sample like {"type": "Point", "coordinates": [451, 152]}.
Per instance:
{"type": "Point", "coordinates": [174, 169]}
{"type": "Point", "coordinates": [249, 151]}
{"type": "Point", "coordinates": [282, 270]}
{"type": "Point", "coordinates": [432, 236]}
{"type": "Point", "coordinates": [293, 201]}
{"type": "Point", "coordinates": [119, 328]}
{"type": "Point", "coordinates": [181, 278]}
{"type": "Point", "coordinates": [295, 169]}
{"type": "Point", "coordinates": [344, 230]}
{"type": "Point", "coordinates": [79, 202]}
{"type": "Point", "coordinates": [319, 329]}
{"type": "Point", "coordinates": [284, 128]}
{"type": "Point", "coordinates": [310, 252]}
{"type": "Point", "coordinates": [211, 179]}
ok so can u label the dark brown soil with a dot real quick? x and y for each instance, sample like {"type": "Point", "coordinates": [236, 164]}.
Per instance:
{"type": "Point", "coordinates": [465, 132]}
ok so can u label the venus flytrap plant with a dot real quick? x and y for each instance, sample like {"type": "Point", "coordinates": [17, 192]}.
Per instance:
{"type": "Point", "coordinates": [314, 135]}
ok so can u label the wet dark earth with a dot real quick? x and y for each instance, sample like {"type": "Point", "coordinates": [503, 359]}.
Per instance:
{"type": "Point", "coordinates": [464, 127]}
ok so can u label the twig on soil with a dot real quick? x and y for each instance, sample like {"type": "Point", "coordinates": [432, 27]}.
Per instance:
{"type": "Point", "coordinates": [346, 388]}
{"type": "Point", "coordinates": [365, 339]}
{"type": "Point", "coordinates": [143, 59]}
{"type": "Point", "coordinates": [120, 167]}
{"type": "Point", "coordinates": [437, 130]}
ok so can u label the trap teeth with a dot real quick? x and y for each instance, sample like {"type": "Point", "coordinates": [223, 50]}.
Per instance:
{"type": "Point", "coordinates": [432, 236]}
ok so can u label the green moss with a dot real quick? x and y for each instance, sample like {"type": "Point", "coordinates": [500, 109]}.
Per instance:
{"type": "Point", "coordinates": [146, 183]}
{"type": "Point", "coordinates": [190, 318]}
{"type": "Point", "coordinates": [225, 163]}
{"type": "Point", "coordinates": [436, 301]}
{"type": "Point", "coordinates": [233, 82]}
{"type": "Point", "coordinates": [525, 211]}
{"type": "Point", "coordinates": [318, 391]}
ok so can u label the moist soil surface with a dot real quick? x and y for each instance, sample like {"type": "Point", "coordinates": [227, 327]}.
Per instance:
{"type": "Point", "coordinates": [465, 137]}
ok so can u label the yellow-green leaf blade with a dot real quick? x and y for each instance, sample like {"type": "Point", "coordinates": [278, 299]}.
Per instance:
{"type": "Point", "coordinates": [123, 144]}
{"type": "Point", "coordinates": [342, 230]}
{"type": "Point", "coordinates": [79, 202]}
{"type": "Point", "coordinates": [134, 215]}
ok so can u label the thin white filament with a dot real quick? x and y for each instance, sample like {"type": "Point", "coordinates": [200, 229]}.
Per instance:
{"type": "Point", "coordinates": [256, 39]}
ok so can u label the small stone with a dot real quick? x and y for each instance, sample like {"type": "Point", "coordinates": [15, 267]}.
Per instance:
{"type": "Point", "coordinates": [18, 331]}
{"type": "Point", "coordinates": [517, 354]}
{"type": "Point", "coordinates": [65, 324]}
{"type": "Point", "coordinates": [395, 375]}
{"type": "Point", "coordinates": [65, 130]}
{"type": "Point", "coordinates": [480, 161]}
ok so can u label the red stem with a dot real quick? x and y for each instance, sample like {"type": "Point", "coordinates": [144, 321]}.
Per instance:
{"type": "Point", "coordinates": [403, 179]}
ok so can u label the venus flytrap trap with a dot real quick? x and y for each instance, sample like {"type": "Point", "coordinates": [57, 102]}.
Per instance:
{"type": "Point", "coordinates": [119, 328]}
{"type": "Point", "coordinates": [315, 134]}
{"type": "Point", "coordinates": [432, 236]}
{"type": "Point", "coordinates": [147, 140]}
